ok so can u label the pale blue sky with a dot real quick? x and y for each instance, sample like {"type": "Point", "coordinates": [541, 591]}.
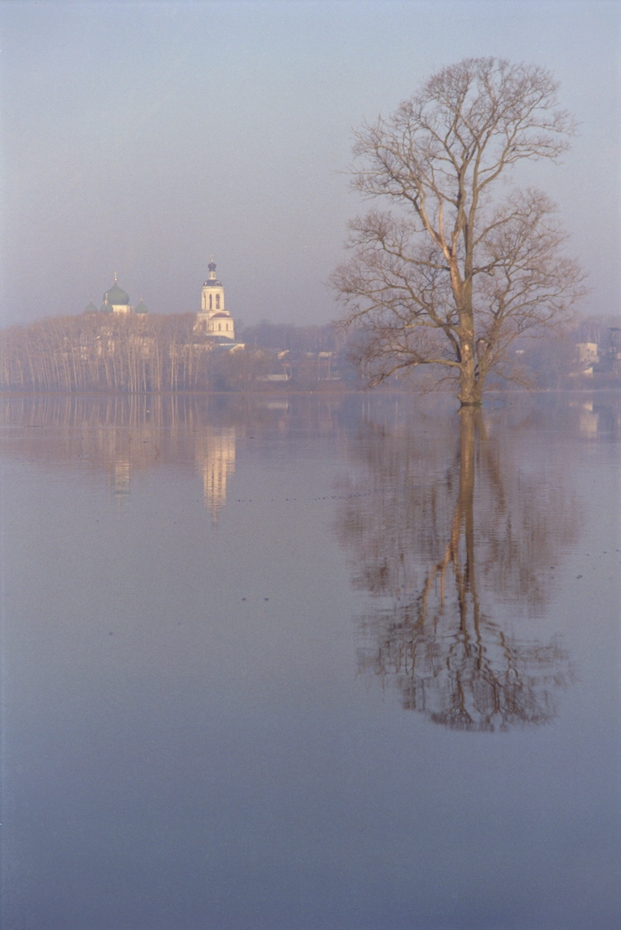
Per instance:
{"type": "Point", "coordinates": [144, 137]}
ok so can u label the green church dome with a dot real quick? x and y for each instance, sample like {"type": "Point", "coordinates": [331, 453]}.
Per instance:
{"type": "Point", "coordinates": [91, 308]}
{"type": "Point", "coordinates": [141, 308]}
{"type": "Point", "coordinates": [117, 296]}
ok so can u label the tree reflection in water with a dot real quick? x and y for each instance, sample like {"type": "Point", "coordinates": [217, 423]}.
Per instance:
{"type": "Point", "coordinates": [463, 550]}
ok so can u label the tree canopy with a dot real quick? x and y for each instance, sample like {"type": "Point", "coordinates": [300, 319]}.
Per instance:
{"type": "Point", "coordinates": [460, 263]}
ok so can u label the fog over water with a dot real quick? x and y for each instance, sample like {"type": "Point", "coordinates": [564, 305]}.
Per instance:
{"type": "Point", "coordinates": [143, 138]}
{"type": "Point", "coordinates": [311, 661]}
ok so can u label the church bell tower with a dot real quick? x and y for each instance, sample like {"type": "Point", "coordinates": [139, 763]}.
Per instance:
{"type": "Point", "coordinates": [213, 319]}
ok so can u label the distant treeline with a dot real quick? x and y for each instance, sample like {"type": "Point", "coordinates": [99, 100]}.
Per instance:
{"type": "Point", "coordinates": [295, 339]}
{"type": "Point", "coordinates": [161, 352]}
{"type": "Point", "coordinates": [134, 354]}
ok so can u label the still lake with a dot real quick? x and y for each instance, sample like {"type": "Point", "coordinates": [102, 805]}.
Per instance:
{"type": "Point", "coordinates": [290, 662]}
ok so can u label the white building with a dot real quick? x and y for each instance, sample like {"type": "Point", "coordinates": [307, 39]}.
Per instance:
{"type": "Point", "coordinates": [213, 319]}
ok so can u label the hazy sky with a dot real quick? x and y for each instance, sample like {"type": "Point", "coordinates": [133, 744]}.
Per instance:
{"type": "Point", "coordinates": [145, 137]}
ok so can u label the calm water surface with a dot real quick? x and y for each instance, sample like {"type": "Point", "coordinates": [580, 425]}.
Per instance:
{"type": "Point", "coordinates": [347, 663]}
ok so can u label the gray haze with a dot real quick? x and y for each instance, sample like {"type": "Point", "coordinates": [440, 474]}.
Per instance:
{"type": "Point", "coordinates": [143, 138]}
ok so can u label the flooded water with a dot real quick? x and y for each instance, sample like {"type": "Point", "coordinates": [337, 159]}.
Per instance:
{"type": "Point", "coordinates": [344, 663]}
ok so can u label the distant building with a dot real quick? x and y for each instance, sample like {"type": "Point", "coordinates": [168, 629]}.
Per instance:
{"type": "Point", "coordinates": [116, 300]}
{"type": "Point", "coordinates": [608, 362]}
{"type": "Point", "coordinates": [213, 319]}
{"type": "Point", "coordinates": [587, 352]}
{"type": "Point", "coordinates": [588, 357]}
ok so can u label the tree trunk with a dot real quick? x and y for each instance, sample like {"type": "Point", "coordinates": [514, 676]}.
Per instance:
{"type": "Point", "coordinates": [470, 384]}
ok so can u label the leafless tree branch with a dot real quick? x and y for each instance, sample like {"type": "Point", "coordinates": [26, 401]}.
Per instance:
{"type": "Point", "coordinates": [450, 275]}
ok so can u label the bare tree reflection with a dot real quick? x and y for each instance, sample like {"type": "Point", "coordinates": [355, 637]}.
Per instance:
{"type": "Point", "coordinates": [463, 550]}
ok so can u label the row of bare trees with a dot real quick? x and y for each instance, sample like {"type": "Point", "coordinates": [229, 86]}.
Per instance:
{"type": "Point", "coordinates": [154, 353]}
{"type": "Point", "coordinates": [93, 352]}
{"type": "Point", "coordinates": [133, 354]}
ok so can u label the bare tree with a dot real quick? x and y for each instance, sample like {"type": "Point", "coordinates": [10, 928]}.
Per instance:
{"type": "Point", "coordinates": [454, 272]}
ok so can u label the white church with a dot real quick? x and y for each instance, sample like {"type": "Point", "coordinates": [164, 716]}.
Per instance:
{"type": "Point", "coordinates": [213, 319]}
{"type": "Point", "coordinates": [116, 301]}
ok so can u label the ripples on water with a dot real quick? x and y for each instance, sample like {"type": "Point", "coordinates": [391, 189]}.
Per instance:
{"type": "Point", "coordinates": [311, 661]}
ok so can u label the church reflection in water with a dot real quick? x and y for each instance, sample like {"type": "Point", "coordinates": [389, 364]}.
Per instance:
{"type": "Point", "coordinates": [126, 435]}
{"type": "Point", "coordinates": [457, 543]}
{"type": "Point", "coordinates": [214, 450]}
